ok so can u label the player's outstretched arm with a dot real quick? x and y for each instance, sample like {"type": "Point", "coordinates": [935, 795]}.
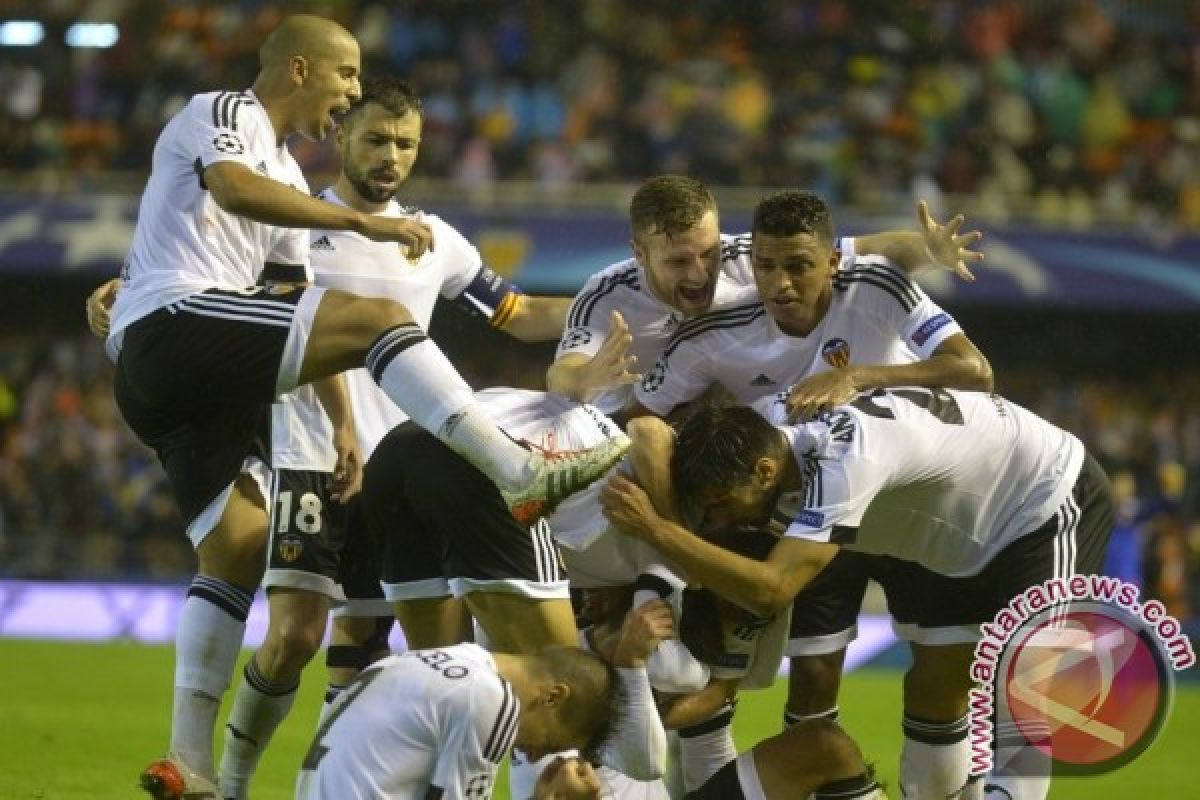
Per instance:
{"type": "Point", "coordinates": [580, 377]}
{"type": "Point", "coordinates": [761, 587]}
{"type": "Point", "coordinates": [935, 245]}
{"type": "Point", "coordinates": [638, 746]}
{"type": "Point", "coordinates": [241, 191]}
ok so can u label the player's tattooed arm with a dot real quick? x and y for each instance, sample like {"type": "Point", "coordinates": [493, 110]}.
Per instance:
{"type": "Point", "coordinates": [347, 471]}
{"type": "Point", "coordinates": [99, 306]}
{"type": "Point", "coordinates": [935, 245]}
{"type": "Point", "coordinates": [580, 377]}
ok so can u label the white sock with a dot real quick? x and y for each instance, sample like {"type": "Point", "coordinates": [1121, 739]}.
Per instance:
{"type": "Point", "coordinates": [207, 643]}
{"type": "Point", "coordinates": [706, 747]}
{"type": "Point", "coordinates": [671, 667]}
{"type": "Point", "coordinates": [259, 706]}
{"type": "Point", "coordinates": [419, 379]}
{"type": "Point", "coordinates": [935, 759]}
{"type": "Point", "coordinates": [1020, 771]}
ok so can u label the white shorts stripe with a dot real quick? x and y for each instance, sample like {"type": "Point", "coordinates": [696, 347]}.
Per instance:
{"type": "Point", "coordinates": [234, 305]}
{"type": "Point", "coordinates": [239, 317]}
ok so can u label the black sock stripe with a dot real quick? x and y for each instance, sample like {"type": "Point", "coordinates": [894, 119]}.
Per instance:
{"type": "Point", "coordinates": [233, 601]}
{"type": "Point", "coordinates": [790, 719]}
{"type": "Point", "coordinates": [390, 344]}
{"type": "Point", "coordinates": [722, 719]}
{"type": "Point", "coordinates": [935, 733]}
{"type": "Point", "coordinates": [349, 656]}
{"type": "Point", "coordinates": [261, 683]}
{"type": "Point", "coordinates": [858, 786]}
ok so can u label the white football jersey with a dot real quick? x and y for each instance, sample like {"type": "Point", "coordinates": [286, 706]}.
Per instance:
{"type": "Point", "coordinates": [184, 242]}
{"type": "Point", "coordinates": [302, 433]}
{"type": "Point", "coordinates": [428, 718]}
{"type": "Point", "coordinates": [877, 315]}
{"type": "Point", "coordinates": [623, 287]}
{"type": "Point", "coordinates": [941, 477]}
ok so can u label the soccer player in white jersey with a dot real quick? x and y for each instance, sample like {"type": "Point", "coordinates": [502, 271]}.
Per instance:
{"type": "Point", "coordinates": [985, 496]}
{"type": "Point", "coordinates": [325, 554]}
{"type": "Point", "coordinates": [827, 326]}
{"type": "Point", "coordinates": [436, 722]}
{"type": "Point", "coordinates": [201, 351]}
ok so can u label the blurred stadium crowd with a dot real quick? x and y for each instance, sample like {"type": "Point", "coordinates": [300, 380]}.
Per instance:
{"type": "Point", "coordinates": [1071, 111]}
{"type": "Point", "coordinates": [83, 499]}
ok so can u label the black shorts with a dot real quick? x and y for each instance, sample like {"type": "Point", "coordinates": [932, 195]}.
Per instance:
{"type": "Point", "coordinates": [195, 381]}
{"type": "Point", "coordinates": [934, 609]}
{"type": "Point", "coordinates": [361, 567]}
{"type": "Point", "coordinates": [307, 533]}
{"type": "Point", "coordinates": [825, 612]}
{"type": "Point", "coordinates": [445, 528]}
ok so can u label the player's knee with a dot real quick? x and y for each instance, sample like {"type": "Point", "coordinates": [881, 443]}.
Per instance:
{"type": "Point", "coordinates": [813, 685]}
{"type": "Point", "coordinates": [297, 639]}
{"type": "Point", "coordinates": [829, 750]}
{"type": "Point", "coordinates": [378, 314]}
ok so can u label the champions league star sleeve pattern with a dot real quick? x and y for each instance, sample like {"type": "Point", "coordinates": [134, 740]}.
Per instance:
{"type": "Point", "coordinates": [478, 739]}
{"type": "Point", "coordinates": [221, 129]}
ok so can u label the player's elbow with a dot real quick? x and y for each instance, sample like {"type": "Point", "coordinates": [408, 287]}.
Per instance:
{"type": "Point", "coordinates": [770, 598]}
{"type": "Point", "coordinates": [980, 371]}
{"type": "Point", "coordinates": [228, 187]}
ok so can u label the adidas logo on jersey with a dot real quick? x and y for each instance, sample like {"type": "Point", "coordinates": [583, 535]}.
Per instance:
{"type": "Point", "coordinates": [762, 380]}
{"type": "Point", "coordinates": [322, 244]}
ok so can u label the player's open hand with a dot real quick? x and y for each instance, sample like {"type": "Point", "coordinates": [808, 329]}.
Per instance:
{"type": "Point", "coordinates": [627, 506]}
{"type": "Point", "coordinates": [347, 471]}
{"type": "Point", "coordinates": [820, 392]}
{"type": "Point", "coordinates": [612, 365]}
{"type": "Point", "coordinates": [947, 247]}
{"type": "Point", "coordinates": [415, 236]}
{"type": "Point", "coordinates": [99, 305]}
{"type": "Point", "coordinates": [644, 627]}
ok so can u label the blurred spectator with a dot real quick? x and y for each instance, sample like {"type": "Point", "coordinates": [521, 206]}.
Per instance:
{"type": "Point", "coordinates": [1090, 109]}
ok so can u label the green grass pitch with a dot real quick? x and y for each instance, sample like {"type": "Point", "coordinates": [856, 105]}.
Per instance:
{"type": "Point", "coordinates": [78, 721]}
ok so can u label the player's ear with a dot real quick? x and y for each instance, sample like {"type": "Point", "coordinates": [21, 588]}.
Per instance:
{"type": "Point", "coordinates": [766, 472]}
{"type": "Point", "coordinates": [555, 695]}
{"type": "Point", "coordinates": [639, 252]}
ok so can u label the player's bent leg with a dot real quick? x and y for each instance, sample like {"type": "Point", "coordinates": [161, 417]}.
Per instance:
{"type": "Point", "coordinates": [209, 635]}
{"type": "Point", "coordinates": [270, 681]}
{"type": "Point", "coordinates": [815, 758]}
{"type": "Point", "coordinates": [347, 331]}
{"type": "Point", "coordinates": [355, 643]}
{"type": "Point", "coordinates": [434, 621]}
{"type": "Point", "coordinates": [515, 623]}
{"type": "Point", "coordinates": [813, 684]}
{"type": "Point", "coordinates": [935, 759]}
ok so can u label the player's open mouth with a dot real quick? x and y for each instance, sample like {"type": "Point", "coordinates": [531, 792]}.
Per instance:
{"type": "Point", "coordinates": [694, 295]}
{"type": "Point", "coordinates": [385, 178]}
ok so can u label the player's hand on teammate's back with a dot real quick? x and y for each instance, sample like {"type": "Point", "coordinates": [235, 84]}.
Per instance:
{"type": "Point", "coordinates": [99, 305]}
{"type": "Point", "coordinates": [947, 247]}
{"type": "Point", "coordinates": [347, 472]}
{"type": "Point", "coordinates": [819, 392]}
{"type": "Point", "coordinates": [416, 236]}
{"type": "Point", "coordinates": [643, 629]}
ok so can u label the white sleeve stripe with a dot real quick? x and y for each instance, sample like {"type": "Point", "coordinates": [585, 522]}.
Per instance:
{"type": "Point", "coordinates": [504, 729]}
{"type": "Point", "coordinates": [585, 303]}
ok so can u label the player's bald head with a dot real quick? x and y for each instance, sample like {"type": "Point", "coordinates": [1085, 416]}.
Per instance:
{"type": "Point", "coordinates": [304, 35]}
